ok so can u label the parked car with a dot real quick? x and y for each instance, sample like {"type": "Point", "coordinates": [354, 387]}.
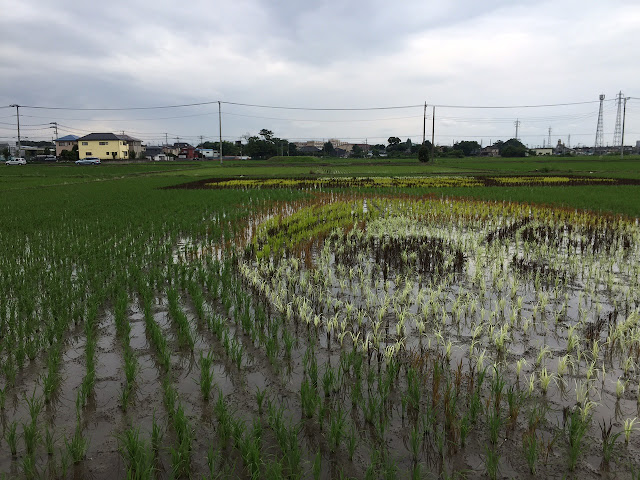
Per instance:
{"type": "Point", "coordinates": [50, 158]}
{"type": "Point", "coordinates": [88, 161]}
{"type": "Point", "coordinates": [16, 161]}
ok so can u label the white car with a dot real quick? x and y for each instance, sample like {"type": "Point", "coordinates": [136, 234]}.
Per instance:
{"type": "Point", "coordinates": [16, 161]}
{"type": "Point", "coordinates": [88, 161]}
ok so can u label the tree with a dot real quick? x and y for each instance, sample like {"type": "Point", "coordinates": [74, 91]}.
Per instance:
{"type": "Point", "coordinates": [266, 134]}
{"type": "Point", "coordinates": [424, 154]}
{"type": "Point", "coordinates": [468, 147]}
{"type": "Point", "coordinates": [260, 148]}
{"type": "Point", "coordinates": [132, 154]}
{"type": "Point", "coordinates": [393, 141]}
{"type": "Point", "coordinates": [70, 155]}
{"type": "Point", "coordinates": [512, 148]}
{"type": "Point", "coordinates": [6, 153]}
{"type": "Point", "coordinates": [357, 152]}
{"type": "Point", "coordinates": [329, 150]}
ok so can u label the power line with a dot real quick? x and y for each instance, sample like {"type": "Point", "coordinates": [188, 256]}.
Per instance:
{"type": "Point", "coordinates": [326, 109]}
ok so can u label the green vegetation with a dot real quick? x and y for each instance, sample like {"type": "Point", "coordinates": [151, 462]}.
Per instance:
{"type": "Point", "coordinates": [380, 330]}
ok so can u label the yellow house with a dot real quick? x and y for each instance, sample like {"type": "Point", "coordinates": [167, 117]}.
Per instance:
{"type": "Point", "coordinates": [108, 146]}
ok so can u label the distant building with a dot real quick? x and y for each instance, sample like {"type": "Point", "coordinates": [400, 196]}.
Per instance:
{"type": "Point", "coordinates": [543, 151]}
{"type": "Point", "coordinates": [65, 143]}
{"type": "Point", "coordinates": [109, 146]}
{"type": "Point", "coordinates": [490, 151]}
{"type": "Point", "coordinates": [209, 152]}
{"type": "Point", "coordinates": [189, 152]}
{"type": "Point", "coordinates": [155, 153]}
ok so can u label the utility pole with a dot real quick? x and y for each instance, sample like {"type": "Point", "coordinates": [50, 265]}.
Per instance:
{"type": "Point", "coordinates": [166, 139]}
{"type": "Point", "coordinates": [569, 141]}
{"type": "Point", "coordinates": [624, 117]}
{"type": "Point", "coordinates": [55, 125]}
{"type": "Point", "coordinates": [433, 131]}
{"type": "Point", "coordinates": [220, 127]}
{"type": "Point", "coordinates": [424, 123]}
{"type": "Point", "coordinates": [517, 124]}
{"type": "Point", "coordinates": [18, 118]}
{"type": "Point", "coordinates": [201, 142]}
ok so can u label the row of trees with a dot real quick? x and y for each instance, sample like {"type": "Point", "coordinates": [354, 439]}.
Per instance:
{"type": "Point", "coordinates": [265, 145]}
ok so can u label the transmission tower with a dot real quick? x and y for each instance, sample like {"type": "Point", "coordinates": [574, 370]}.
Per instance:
{"type": "Point", "coordinates": [549, 141]}
{"type": "Point", "coordinates": [517, 124]}
{"type": "Point", "coordinates": [600, 127]}
{"type": "Point", "coordinates": [617, 133]}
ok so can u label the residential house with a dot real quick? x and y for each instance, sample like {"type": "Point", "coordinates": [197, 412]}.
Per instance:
{"type": "Point", "coordinates": [155, 153]}
{"type": "Point", "coordinates": [109, 146]}
{"type": "Point", "coordinates": [309, 149]}
{"type": "Point", "coordinates": [208, 152]}
{"type": "Point", "coordinates": [188, 152]}
{"type": "Point", "coordinates": [65, 143]}
{"type": "Point", "coordinates": [490, 151]}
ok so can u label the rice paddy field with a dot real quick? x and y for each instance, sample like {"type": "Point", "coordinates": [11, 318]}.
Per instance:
{"type": "Point", "coordinates": [315, 320]}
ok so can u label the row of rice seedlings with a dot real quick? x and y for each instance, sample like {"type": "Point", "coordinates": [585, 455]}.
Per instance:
{"type": "Point", "coordinates": [91, 341]}
{"type": "Point", "coordinates": [123, 330]}
{"type": "Point", "coordinates": [181, 322]}
{"type": "Point", "coordinates": [154, 332]}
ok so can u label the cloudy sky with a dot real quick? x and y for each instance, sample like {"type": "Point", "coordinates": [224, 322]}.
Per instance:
{"type": "Point", "coordinates": [83, 57]}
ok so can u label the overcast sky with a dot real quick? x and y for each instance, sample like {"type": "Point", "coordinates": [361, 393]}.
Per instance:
{"type": "Point", "coordinates": [326, 54]}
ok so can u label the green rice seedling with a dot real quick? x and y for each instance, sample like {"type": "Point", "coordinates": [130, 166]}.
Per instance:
{"type": "Point", "coordinates": [64, 462]}
{"type": "Point", "coordinates": [3, 398]}
{"type": "Point", "coordinates": [491, 462]}
{"type": "Point", "coordinates": [415, 441]}
{"type": "Point", "coordinates": [514, 401]}
{"type": "Point", "coordinates": [328, 380]}
{"type": "Point", "coordinates": [77, 447]}
{"type": "Point", "coordinates": [260, 396]}
{"type": "Point", "coordinates": [157, 433]}
{"type": "Point", "coordinates": [308, 399]}
{"type": "Point", "coordinates": [31, 436]}
{"type": "Point", "coordinates": [288, 340]}
{"type": "Point", "coordinates": [180, 459]}
{"type": "Point", "coordinates": [206, 375]}
{"type": "Point", "coordinates": [494, 422]}
{"type": "Point", "coordinates": [577, 427]}
{"type": "Point", "coordinates": [531, 447]}
{"type": "Point", "coordinates": [352, 442]}
{"type": "Point", "coordinates": [316, 468]}
{"type": "Point", "coordinates": [49, 440]}
{"type": "Point", "coordinates": [130, 366]}
{"type": "Point", "coordinates": [12, 438]}
{"type": "Point", "coordinates": [336, 429]}
{"type": "Point", "coordinates": [608, 441]}
{"type": "Point", "coordinates": [214, 460]}
{"type": "Point", "coordinates": [35, 405]}
{"type": "Point", "coordinates": [136, 453]}
{"type": "Point", "coordinates": [29, 468]}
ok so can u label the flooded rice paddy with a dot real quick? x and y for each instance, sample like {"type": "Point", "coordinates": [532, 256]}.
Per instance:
{"type": "Point", "coordinates": [343, 337]}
